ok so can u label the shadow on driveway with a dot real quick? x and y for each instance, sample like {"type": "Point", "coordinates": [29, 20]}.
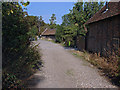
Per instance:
{"type": "Point", "coordinates": [32, 82]}
{"type": "Point", "coordinates": [70, 48]}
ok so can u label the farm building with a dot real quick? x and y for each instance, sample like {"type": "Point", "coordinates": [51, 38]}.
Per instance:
{"type": "Point", "coordinates": [49, 34]}
{"type": "Point", "coordinates": [104, 29]}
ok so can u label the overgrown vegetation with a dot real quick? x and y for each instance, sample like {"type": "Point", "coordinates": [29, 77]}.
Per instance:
{"type": "Point", "coordinates": [110, 66]}
{"type": "Point", "coordinates": [22, 68]}
{"type": "Point", "coordinates": [19, 60]}
{"type": "Point", "coordinates": [73, 22]}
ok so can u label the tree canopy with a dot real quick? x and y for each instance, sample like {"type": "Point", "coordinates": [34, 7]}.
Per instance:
{"type": "Point", "coordinates": [17, 28]}
{"type": "Point", "coordinates": [73, 22]}
{"type": "Point", "coordinates": [53, 21]}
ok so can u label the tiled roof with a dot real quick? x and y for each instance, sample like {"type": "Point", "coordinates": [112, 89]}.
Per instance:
{"type": "Point", "coordinates": [49, 32]}
{"type": "Point", "coordinates": [113, 9]}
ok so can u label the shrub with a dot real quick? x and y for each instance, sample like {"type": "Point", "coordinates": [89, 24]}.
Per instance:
{"type": "Point", "coordinates": [22, 68]}
{"type": "Point", "coordinates": [18, 58]}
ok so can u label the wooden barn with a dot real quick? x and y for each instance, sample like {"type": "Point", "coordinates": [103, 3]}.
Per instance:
{"type": "Point", "coordinates": [104, 29]}
{"type": "Point", "coordinates": [49, 34]}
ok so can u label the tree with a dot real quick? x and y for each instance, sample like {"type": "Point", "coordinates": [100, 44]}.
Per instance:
{"type": "Point", "coordinates": [74, 21]}
{"type": "Point", "coordinates": [67, 20]}
{"type": "Point", "coordinates": [37, 23]}
{"type": "Point", "coordinates": [15, 39]}
{"type": "Point", "coordinates": [33, 26]}
{"type": "Point", "coordinates": [14, 34]}
{"type": "Point", "coordinates": [16, 49]}
{"type": "Point", "coordinates": [32, 20]}
{"type": "Point", "coordinates": [59, 33]}
{"type": "Point", "coordinates": [53, 21]}
{"type": "Point", "coordinates": [40, 22]}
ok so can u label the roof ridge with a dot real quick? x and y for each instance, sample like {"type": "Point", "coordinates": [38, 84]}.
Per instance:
{"type": "Point", "coordinates": [44, 31]}
{"type": "Point", "coordinates": [112, 11]}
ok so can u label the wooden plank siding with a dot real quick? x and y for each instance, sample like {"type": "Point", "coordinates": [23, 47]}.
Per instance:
{"type": "Point", "coordinates": [103, 35]}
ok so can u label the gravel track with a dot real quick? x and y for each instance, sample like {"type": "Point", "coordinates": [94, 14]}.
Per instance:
{"type": "Point", "coordinates": [63, 70]}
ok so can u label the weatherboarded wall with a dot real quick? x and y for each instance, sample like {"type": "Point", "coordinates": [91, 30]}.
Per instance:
{"type": "Point", "coordinates": [104, 35]}
{"type": "Point", "coordinates": [80, 43]}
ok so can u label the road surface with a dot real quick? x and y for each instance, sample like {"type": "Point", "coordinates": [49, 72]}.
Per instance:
{"type": "Point", "coordinates": [63, 70]}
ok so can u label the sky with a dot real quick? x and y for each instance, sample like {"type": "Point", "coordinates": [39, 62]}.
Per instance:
{"type": "Point", "coordinates": [46, 9]}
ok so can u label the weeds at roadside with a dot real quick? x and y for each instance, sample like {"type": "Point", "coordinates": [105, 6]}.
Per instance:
{"type": "Point", "coordinates": [110, 66]}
